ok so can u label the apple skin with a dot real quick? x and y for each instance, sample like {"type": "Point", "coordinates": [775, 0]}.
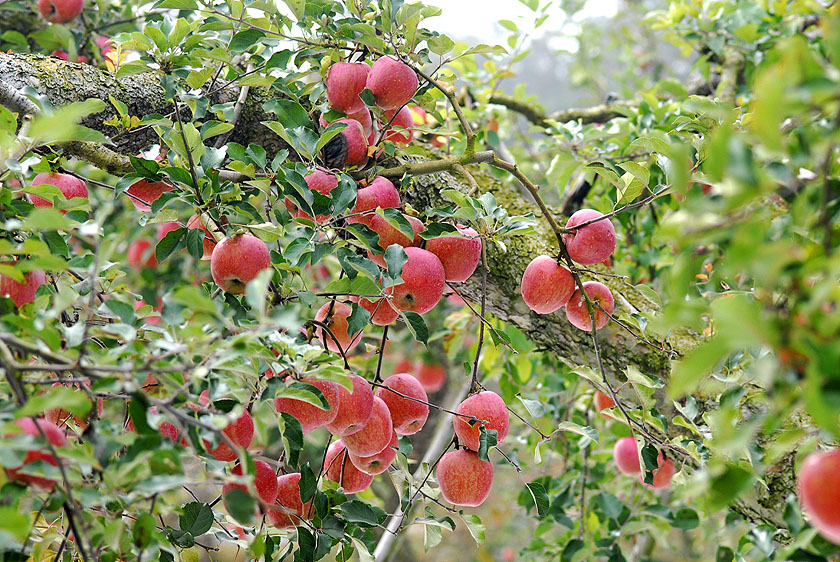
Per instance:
{"type": "Point", "coordinates": [22, 293]}
{"type": "Point", "coordinates": [241, 432]}
{"type": "Point", "coordinates": [153, 320]}
{"type": "Point", "coordinates": [546, 285]}
{"type": "Point", "coordinates": [819, 492]}
{"type": "Point", "coordinates": [141, 253]}
{"type": "Point", "coordinates": [626, 456]}
{"type": "Point", "coordinates": [423, 281]}
{"type": "Point", "coordinates": [319, 181]}
{"type": "Point", "coordinates": [209, 242]}
{"type": "Point", "coordinates": [54, 435]}
{"type": "Point", "coordinates": [487, 406]}
{"type": "Point", "coordinates": [264, 480]}
{"type": "Point", "coordinates": [602, 402]}
{"type": "Point", "coordinates": [345, 81]}
{"type": "Point", "coordinates": [288, 509]}
{"type": "Point", "coordinates": [237, 260]}
{"type": "Point", "coordinates": [389, 235]}
{"type": "Point", "coordinates": [392, 82]}
{"type": "Point", "coordinates": [374, 435]}
{"type": "Point", "coordinates": [143, 193]}
{"type": "Point", "coordinates": [354, 408]}
{"type": "Point", "coordinates": [408, 416]}
{"type": "Point", "coordinates": [378, 463]}
{"type": "Point", "coordinates": [379, 193]}
{"type": "Point", "coordinates": [165, 228]}
{"type": "Point", "coordinates": [312, 417]}
{"type": "Point", "coordinates": [338, 325]}
{"type": "Point", "coordinates": [458, 254]}
{"type": "Point", "coordinates": [578, 313]}
{"type": "Point", "coordinates": [431, 375]}
{"type": "Point", "coordinates": [357, 144]}
{"type": "Point", "coordinates": [405, 119]}
{"type": "Point", "coordinates": [381, 311]}
{"type": "Point", "coordinates": [338, 468]}
{"type": "Point", "coordinates": [464, 479]}
{"type": "Point", "coordinates": [70, 187]}
{"type": "Point", "coordinates": [593, 243]}
{"type": "Point", "coordinates": [60, 11]}
{"type": "Point", "coordinates": [662, 475]}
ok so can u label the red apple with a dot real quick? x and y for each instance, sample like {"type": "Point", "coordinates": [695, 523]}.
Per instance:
{"type": "Point", "coordinates": [55, 436]}
{"type": "Point", "coordinates": [381, 311]}
{"type": "Point", "coordinates": [240, 431]}
{"type": "Point", "coordinates": [431, 375]}
{"type": "Point", "coordinates": [355, 139]}
{"type": "Point", "coordinates": [626, 456]}
{"type": "Point", "coordinates": [143, 193]}
{"type": "Point", "coordinates": [578, 313]}
{"type": "Point", "coordinates": [264, 480]}
{"type": "Point", "coordinates": [487, 406]}
{"type": "Point", "coordinates": [374, 435]}
{"type": "Point", "coordinates": [365, 119]}
{"type": "Point", "coordinates": [237, 260]}
{"type": "Point", "coordinates": [378, 463]}
{"type": "Point", "coordinates": [354, 408]}
{"type": "Point", "coordinates": [663, 474]}
{"type": "Point", "coordinates": [339, 468]}
{"type": "Point", "coordinates": [345, 81]}
{"type": "Point", "coordinates": [379, 193]}
{"type": "Point", "coordinates": [141, 253]}
{"type": "Point", "coordinates": [407, 402]}
{"type": "Point", "coordinates": [592, 243]}
{"type": "Point", "coordinates": [153, 320]}
{"type": "Point", "coordinates": [546, 285]}
{"type": "Point", "coordinates": [392, 82]}
{"type": "Point", "coordinates": [819, 492]}
{"type": "Point", "coordinates": [389, 235]}
{"type": "Point", "coordinates": [319, 181]}
{"type": "Point", "coordinates": [22, 292]}
{"type": "Point", "coordinates": [288, 508]}
{"type": "Point", "coordinates": [60, 11]}
{"type": "Point", "coordinates": [464, 479]}
{"type": "Point", "coordinates": [423, 281]}
{"type": "Point", "coordinates": [602, 401]}
{"type": "Point", "coordinates": [403, 119]}
{"type": "Point", "coordinates": [334, 315]}
{"type": "Point", "coordinates": [312, 417]}
{"type": "Point", "coordinates": [458, 254]}
{"type": "Point", "coordinates": [209, 242]}
{"type": "Point", "coordinates": [70, 187]}
{"type": "Point", "coordinates": [165, 228]}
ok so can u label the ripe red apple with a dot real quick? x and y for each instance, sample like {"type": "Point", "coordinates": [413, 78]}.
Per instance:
{"type": "Point", "coordinates": [626, 456]}
{"type": "Point", "coordinates": [379, 193]}
{"type": "Point", "coordinates": [60, 11]}
{"type": "Point", "coordinates": [602, 401]}
{"type": "Point", "coordinates": [319, 181]}
{"type": "Point", "coordinates": [22, 292]}
{"type": "Point", "coordinates": [593, 243]}
{"type": "Point", "coordinates": [357, 145]}
{"type": "Point", "coordinates": [546, 285]}
{"type": "Point", "coordinates": [458, 254]}
{"type": "Point", "coordinates": [141, 253]}
{"type": "Point", "coordinates": [381, 311]}
{"type": "Point", "coordinates": [819, 492]}
{"type": "Point", "coordinates": [354, 408]}
{"type": "Point", "coordinates": [389, 235]}
{"type": "Point", "coordinates": [54, 435]}
{"type": "Point", "coordinates": [464, 479]}
{"type": "Point", "coordinates": [153, 320]}
{"type": "Point", "coordinates": [143, 193]}
{"type": "Point", "coordinates": [392, 82]}
{"type": "Point", "coordinates": [339, 468]}
{"type": "Point", "coordinates": [365, 119]}
{"type": "Point", "coordinates": [337, 324]}
{"type": "Point", "coordinates": [487, 406]}
{"type": "Point", "coordinates": [240, 431]}
{"type": "Point", "coordinates": [423, 281]}
{"type": "Point", "coordinates": [237, 260]}
{"type": "Point", "coordinates": [378, 463]}
{"type": "Point", "coordinates": [70, 187]}
{"type": "Point", "coordinates": [312, 417]}
{"type": "Point", "coordinates": [288, 508]}
{"type": "Point", "coordinates": [431, 375]}
{"type": "Point", "coordinates": [404, 119]}
{"type": "Point", "coordinates": [374, 435]}
{"type": "Point", "coordinates": [209, 242]}
{"type": "Point", "coordinates": [663, 474]}
{"type": "Point", "coordinates": [407, 415]}
{"type": "Point", "coordinates": [345, 81]}
{"type": "Point", "coordinates": [165, 228]}
{"type": "Point", "coordinates": [578, 313]}
{"type": "Point", "coordinates": [264, 480]}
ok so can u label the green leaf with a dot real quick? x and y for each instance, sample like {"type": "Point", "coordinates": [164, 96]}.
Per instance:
{"type": "Point", "coordinates": [241, 505]}
{"type": "Point", "coordinates": [308, 483]}
{"type": "Point", "coordinates": [292, 437]}
{"type": "Point", "coordinates": [589, 432]}
{"type": "Point", "coordinates": [609, 504]}
{"type": "Point", "coordinates": [196, 519]}
{"type": "Point", "coordinates": [298, 7]}
{"type": "Point", "coordinates": [305, 393]}
{"type": "Point", "coordinates": [416, 325]}
{"type": "Point", "coordinates": [171, 243]}
{"type": "Point", "coordinates": [538, 494]}
{"type": "Point", "coordinates": [475, 527]}
{"type": "Point", "coordinates": [244, 40]}
{"type": "Point", "coordinates": [73, 400]}
{"type": "Point", "coordinates": [13, 523]}
{"type": "Point", "coordinates": [356, 511]}
{"type": "Point", "coordinates": [195, 243]}
{"type": "Point", "coordinates": [395, 259]}
{"type": "Point", "coordinates": [686, 518]}
{"type": "Point", "coordinates": [534, 407]}
{"type": "Point", "coordinates": [486, 438]}
{"type": "Point", "coordinates": [571, 548]}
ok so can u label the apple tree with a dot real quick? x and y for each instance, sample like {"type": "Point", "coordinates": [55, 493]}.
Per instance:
{"type": "Point", "coordinates": [298, 280]}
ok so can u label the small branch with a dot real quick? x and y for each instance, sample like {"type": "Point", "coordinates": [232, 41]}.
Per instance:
{"type": "Point", "coordinates": [474, 377]}
{"type": "Point", "coordinates": [378, 376]}
{"type": "Point", "coordinates": [733, 65]}
{"type": "Point", "coordinates": [595, 114]}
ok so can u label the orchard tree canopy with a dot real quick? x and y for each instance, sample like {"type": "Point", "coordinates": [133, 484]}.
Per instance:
{"type": "Point", "coordinates": [308, 280]}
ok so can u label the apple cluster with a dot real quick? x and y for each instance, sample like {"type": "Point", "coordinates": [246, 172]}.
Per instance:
{"type": "Point", "coordinates": [819, 492]}
{"type": "Point", "coordinates": [548, 286]}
